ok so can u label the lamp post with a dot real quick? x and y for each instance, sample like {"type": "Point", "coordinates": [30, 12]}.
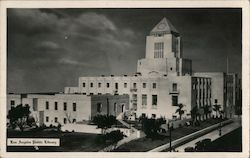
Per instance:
{"type": "Point", "coordinates": [170, 127]}
{"type": "Point", "coordinates": [220, 129]}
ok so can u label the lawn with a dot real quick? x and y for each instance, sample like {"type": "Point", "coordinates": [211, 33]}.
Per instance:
{"type": "Point", "coordinates": [73, 142]}
{"type": "Point", "coordinates": [146, 144]}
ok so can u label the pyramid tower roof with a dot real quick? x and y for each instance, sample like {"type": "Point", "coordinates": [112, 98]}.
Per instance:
{"type": "Point", "coordinates": [164, 27]}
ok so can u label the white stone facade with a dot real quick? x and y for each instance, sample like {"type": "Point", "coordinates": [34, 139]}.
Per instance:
{"type": "Point", "coordinates": [54, 109]}
{"type": "Point", "coordinates": [163, 79]}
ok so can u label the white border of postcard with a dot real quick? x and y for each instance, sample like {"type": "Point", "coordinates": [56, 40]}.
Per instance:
{"type": "Point", "coordinates": [244, 4]}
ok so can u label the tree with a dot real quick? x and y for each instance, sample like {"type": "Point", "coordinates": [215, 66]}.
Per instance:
{"type": "Point", "coordinates": [194, 113]}
{"type": "Point", "coordinates": [19, 116]}
{"type": "Point", "coordinates": [207, 111]}
{"type": "Point", "coordinates": [114, 136]}
{"type": "Point", "coordinates": [217, 108]}
{"type": "Point", "coordinates": [152, 126]}
{"type": "Point", "coordinates": [104, 121]}
{"type": "Point", "coordinates": [180, 110]}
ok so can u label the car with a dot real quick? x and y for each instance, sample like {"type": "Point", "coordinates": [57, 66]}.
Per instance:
{"type": "Point", "coordinates": [189, 149]}
{"type": "Point", "coordinates": [201, 145]}
{"type": "Point", "coordinates": [206, 141]}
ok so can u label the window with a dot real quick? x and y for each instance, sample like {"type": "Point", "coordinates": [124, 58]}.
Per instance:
{"type": "Point", "coordinates": [174, 87]}
{"type": "Point", "coordinates": [74, 120]}
{"type": "Point", "coordinates": [34, 101]}
{"type": "Point", "coordinates": [116, 85]}
{"type": "Point", "coordinates": [83, 84]}
{"type": "Point", "coordinates": [134, 97]}
{"type": "Point", "coordinates": [134, 85]}
{"type": "Point", "coordinates": [174, 100]}
{"type": "Point", "coordinates": [65, 106]}
{"type": "Point", "coordinates": [143, 115]}
{"type": "Point", "coordinates": [56, 107]}
{"type": "Point", "coordinates": [153, 116]}
{"type": "Point", "coordinates": [99, 93]}
{"type": "Point", "coordinates": [56, 119]}
{"type": "Point", "coordinates": [99, 85]}
{"type": "Point", "coordinates": [144, 99]}
{"type": "Point", "coordinates": [125, 85]}
{"type": "Point", "coordinates": [47, 119]}
{"type": "Point", "coordinates": [215, 101]}
{"type": "Point", "coordinates": [154, 99]}
{"type": "Point", "coordinates": [91, 93]}
{"type": "Point", "coordinates": [91, 84]}
{"type": "Point", "coordinates": [99, 107]}
{"type": "Point", "coordinates": [74, 106]}
{"type": "Point", "coordinates": [47, 105]}
{"type": "Point", "coordinates": [123, 107]}
{"type": "Point", "coordinates": [154, 85]}
{"type": "Point", "coordinates": [107, 85]}
{"type": "Point", "coordinates": [64, 120]}
{"type": "Point", "coordinates": [12, 102]}
{"type": "Point", "coordinates": [144, 85]}
{"type": "Point", "coordinates": [158, 50]}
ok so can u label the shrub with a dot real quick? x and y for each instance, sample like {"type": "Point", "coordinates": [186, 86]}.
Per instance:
{"type": "Point", "coordinates": [59, 126]}
{"type": "Point", "coordinates": [114, 136]}
{"type": "Point", "coordinates": [151, 127]}
{"type": "Point", "coordinates": [104, 121]}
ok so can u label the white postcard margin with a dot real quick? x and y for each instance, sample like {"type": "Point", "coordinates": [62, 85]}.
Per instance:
{"type": "Point", "coordinates": [244, 4]}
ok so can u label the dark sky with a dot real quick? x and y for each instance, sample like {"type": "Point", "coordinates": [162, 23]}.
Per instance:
{"type": "Point", "coordinates": [50, 48]}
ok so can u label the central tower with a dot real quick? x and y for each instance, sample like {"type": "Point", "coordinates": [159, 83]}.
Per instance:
{"type": "Point", "coordinates": [163, 52]}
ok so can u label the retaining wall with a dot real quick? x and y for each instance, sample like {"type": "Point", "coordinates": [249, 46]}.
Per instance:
{"type": "Point", "coordinates": [84, 128]}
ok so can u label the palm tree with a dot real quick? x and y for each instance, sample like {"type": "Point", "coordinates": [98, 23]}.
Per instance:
{"type": "Point", "coordinates": [180, 110]}
{"type": "Point", "coordinates": [194, 113]}
{"type": "Point", "coordinates": [216, 108]}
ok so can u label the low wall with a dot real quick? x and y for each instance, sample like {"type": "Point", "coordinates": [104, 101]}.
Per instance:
{"type": "Point", "coordinates": [126, 131]}
{"type": "Point", "coordinates": [177, 123]}
{"type": "Point", "coordinates": [190, 137]}
{"type": "Point", "coordinates": [81, 128]}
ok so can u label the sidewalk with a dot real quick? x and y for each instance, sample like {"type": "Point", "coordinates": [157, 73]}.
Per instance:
{"type": "Point", "coordinates": [212, 135]}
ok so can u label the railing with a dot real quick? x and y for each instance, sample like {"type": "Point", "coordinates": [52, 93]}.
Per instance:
{"type": "Point", "coordinates": [174, 91]}
{"type": "Point", "coordinates": [133, 90]}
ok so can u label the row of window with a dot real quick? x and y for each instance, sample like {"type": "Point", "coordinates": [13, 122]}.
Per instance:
{"type": "Point", "coordinates": [203, 94]}
{"type": "Point", "coordinates": [125, 85]}
{"type": "Point", "coordinates": [99, 107]}
{"type": "Point", "coordinates": [158, 50]}
{"type": "Point", "coordinates": [202, 82]}
{"type": "Point", "coordinates": [65, 120]}
{"type": "Point", "coordinates": [152, 116]}
{"type": "Point", "coordinates": [64, 106]}
{"type": "Point", "coordinates": [144, 99]}
{"type": "Point", "coordinates": [203, 102]}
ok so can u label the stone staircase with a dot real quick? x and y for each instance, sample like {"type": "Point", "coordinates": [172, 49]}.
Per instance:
{"type": "Point", "coordinates": [120, 119]}
{"type": "Point", "coordinates": [135, 134]}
